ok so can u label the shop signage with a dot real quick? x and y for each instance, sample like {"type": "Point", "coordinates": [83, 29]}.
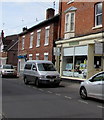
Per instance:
{"type": "Point", "coordinates": [56, 51]}
{"type": "Point", "coordinates": [74, 43]}
{"type": "Point", "coordinates": [99, 48]}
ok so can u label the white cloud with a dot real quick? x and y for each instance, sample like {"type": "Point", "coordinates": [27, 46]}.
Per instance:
{"type": "Point", "coordinates": [29, 0]}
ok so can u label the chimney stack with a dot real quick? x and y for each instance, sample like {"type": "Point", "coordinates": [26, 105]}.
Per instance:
{"type": "Point", "coordinates": [2, 34]}
{"type": "Point", "coordinates": [24, 29]}
{"type": "Point", "coordinates": [50, 13]}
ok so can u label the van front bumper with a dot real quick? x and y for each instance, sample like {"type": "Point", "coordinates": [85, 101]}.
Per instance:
{"type": "Point", "coordinates": [49, 81]}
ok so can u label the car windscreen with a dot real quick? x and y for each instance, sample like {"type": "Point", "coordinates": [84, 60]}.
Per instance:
{"type": "Point", "coordinates": [46, 67]}
{"type": "Point", "coordinates": [8, 67]}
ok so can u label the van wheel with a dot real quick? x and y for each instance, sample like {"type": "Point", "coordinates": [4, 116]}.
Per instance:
{"type": "Point", "coordinates": [37, 83]}
{"type": "Point", "coordinates": [26, 81]}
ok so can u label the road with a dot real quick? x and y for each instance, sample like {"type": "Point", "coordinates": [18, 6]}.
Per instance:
{"type": "Point", "coordinates": [28, 101]}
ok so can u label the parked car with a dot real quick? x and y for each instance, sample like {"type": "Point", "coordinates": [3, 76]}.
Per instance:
{"type": "Point", "coordinates": [93, 87]}
{"type": "Point", "coordinates": [41, 72]}
{"type": "Point", "coordinates": [8, 70]}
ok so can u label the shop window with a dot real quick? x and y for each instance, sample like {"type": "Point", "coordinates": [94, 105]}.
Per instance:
{"type": "Point", "coordinates": [75, 62]}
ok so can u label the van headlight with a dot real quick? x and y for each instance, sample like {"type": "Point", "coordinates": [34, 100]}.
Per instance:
{"type": "Point", "coordinates": [3, 71]}
{"type": "Point", "coordinates": [42, 76]}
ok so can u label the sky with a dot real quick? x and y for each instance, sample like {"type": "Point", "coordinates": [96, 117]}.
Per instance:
{"type": "Point", "coordinates": [16, 15]}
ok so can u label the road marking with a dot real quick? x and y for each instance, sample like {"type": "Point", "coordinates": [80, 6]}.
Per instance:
{"type": "Point", "coordinates": [100, 106]}
{"type": "Point", "coordinates": [41, 89]}
{"type": "Point", "coordinates": [0, 115]}
{"type": "Point", "coordinates": [58, 94]}
{"type": "Point", "coordinates": [83, 101]}
{"type": "Point", "coordinates": [68, 97]}
{"type": "Point", "coordinates": [49, 91]}
{"type": "Point", "coordinates": [34, 87]}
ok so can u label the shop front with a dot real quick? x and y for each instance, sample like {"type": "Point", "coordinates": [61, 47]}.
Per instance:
{"type": "Point", "coordinates": [21, 62]}
{"type": "Point", "coordinates": [82, 57]}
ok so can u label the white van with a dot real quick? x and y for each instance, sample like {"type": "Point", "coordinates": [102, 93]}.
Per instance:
{"type": "Point", "coordinates": [40, 72]}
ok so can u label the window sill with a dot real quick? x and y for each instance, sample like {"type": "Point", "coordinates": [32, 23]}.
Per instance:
{"type": "Point", "coordinates": [46, 44]}
{"type": "Point", "coordinates": [97, 27]}
{"type": "Point", "coordinates": [30, 47]}
{"type": "Point", "coordinates": [38, 46]}
{"type": "Point", "coordinates": [71, 1]}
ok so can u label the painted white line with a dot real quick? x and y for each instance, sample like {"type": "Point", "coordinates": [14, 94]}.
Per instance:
{"type": "Point", "coordinates": [100, 106]}
{"type": "Point", "coordinates": [83, 101]}
{"type": "Point", "coordinates": [49, 91]}
{"type": "Point", "coordinates": [0, 115]}
{"type": "Point", "coordinates": [68, 97]}
{"type": "Point", "coordinates": [41, 89]}
{"type": "Point", "coordinates": [34, 87]}
{"type": "Point", "coordinates": [58, 94]}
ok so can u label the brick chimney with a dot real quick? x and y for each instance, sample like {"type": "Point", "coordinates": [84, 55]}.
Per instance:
{"type": "Point", "coordinates": [50, 12]}
{"type": "Point", "coordinates": [2, 34]}
{"type": "Point", "coordinates": [24, 29]}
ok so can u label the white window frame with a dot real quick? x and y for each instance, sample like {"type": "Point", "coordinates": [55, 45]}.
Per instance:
{"type": "Point", "coordinates": [45, 54]}
{"type": "Point", "coordinates": [23, 42]}
{"type": "Point", "coordinates": [38, 38]}
{"type": "Point", "coordinates": [31, 39]}
{"type": "Point", "coordinates": [96, 15]}
{"type": "Point", "coordinates": [47, 36]}
{"type": "Point", "coordinates": [69, 22]}
{"type": "Point", "coordinates": [37, 56]}
{"type": "Point", "coordinates": [30, 55]}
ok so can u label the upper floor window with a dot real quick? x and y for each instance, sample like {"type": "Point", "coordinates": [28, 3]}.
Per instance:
{"type": "Point", "coordinates": [45, 56]}
{"type": "Point", "coordinates": [69, 22]}
{"type": "Point", "coordinates": [98, 14]}
{"type": "Point", "coordinates": [38, 38]}
{"type": "Point", "coordinates": [47, 35]}
{"type": "Point", "coordinates": [37, 56]}
{"type": "Point", "coordinates": [23, 42]}
{"type": "Point", "coordinates": [31, 40]}
{"type": "Point", "coordinates": [30, 56]}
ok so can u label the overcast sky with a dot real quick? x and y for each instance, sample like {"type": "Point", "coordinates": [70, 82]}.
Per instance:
{"type": "Point", "coordinates": [16, 15]}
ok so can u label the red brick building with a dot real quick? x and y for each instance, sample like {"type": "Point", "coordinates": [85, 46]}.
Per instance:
{"type": "Point", "coordinates": [8, 49]}
{"type": "Point", "coordinates": [81, 33]}
{"type": "Point", "coordinates": [38, 41]}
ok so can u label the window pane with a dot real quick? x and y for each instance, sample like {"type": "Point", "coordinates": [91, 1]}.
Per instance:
{"type": "Point", "coordinates": [31, 41]}
{"type": "Point", "coordinates": [72, 22]}
{"type": "Point", "coordinates": [99, 8]}
{"type": "Point", "coordinates": [98, 14]}
{"type": "Point", "coordinates": [67, 24]}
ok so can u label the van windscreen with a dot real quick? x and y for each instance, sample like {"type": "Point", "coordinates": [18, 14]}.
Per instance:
{"type": "Point", "coordinates": [46, 67]}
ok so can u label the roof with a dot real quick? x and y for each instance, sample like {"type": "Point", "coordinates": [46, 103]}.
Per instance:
{"type": "Point", "coordinates": [56, 17]}
{"type": "Point", "coordinates": [9, 41]}
{"type": "Point", "coordinates": [39, 61]}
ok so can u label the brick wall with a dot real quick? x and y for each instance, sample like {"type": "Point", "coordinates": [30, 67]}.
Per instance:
{"type": "Point", "coordinates": [84, 17]}
{"type": "Point", "coordinates": [41, 49]}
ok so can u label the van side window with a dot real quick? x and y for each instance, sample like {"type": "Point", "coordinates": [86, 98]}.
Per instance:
{"type": "Point", "coordinates": [28, 66]}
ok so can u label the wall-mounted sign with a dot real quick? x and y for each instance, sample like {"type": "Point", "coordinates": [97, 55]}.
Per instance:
{"type": "Point", "coordinates": [99, 48]}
